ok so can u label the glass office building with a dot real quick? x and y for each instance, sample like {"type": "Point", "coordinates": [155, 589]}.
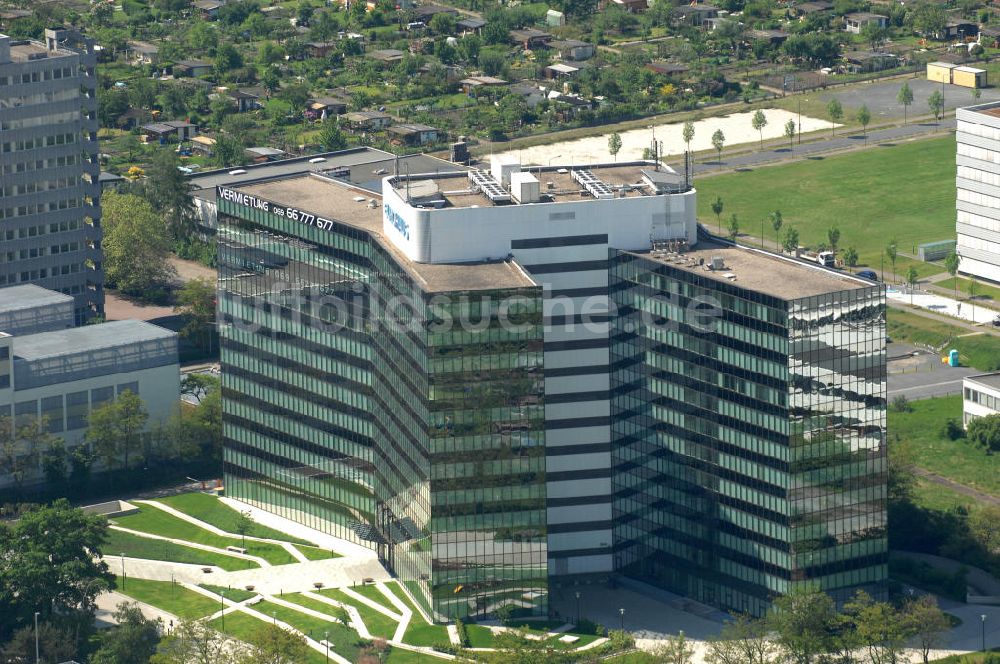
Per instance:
{"type": "Point", "coordinates": [748, 414]}
{"type": "Point", "coordinates": [382, 401]}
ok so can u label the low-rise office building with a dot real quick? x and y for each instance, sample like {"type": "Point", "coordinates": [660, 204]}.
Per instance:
{"type": "Point", "coordinates": [980, 396]}
{"type": "Point", "coordinates": [50, 369]}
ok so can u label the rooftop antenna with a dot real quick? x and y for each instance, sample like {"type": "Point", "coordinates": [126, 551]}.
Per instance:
{"type": "Point", "coordinates": [395, 165]}
{"type": "Point", "coordinates": [407, 184]}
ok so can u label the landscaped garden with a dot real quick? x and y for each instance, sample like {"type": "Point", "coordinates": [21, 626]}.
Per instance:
{"type": "Point", "coordinates": [171, 597]}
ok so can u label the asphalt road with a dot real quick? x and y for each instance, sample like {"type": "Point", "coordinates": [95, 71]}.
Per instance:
{"type": "Point", "coordinates": [922, 375]}
{"type": "Point", "coordinates": [815, 149]}
{"type": "Point", "coordinates": [881, 97]}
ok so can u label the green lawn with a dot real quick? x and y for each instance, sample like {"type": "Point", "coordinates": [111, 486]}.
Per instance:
{"type": "Point", "coordinates": [343, 638]}
{"type": "Point", "coordinates": [134, 546]}
{"type": "Point", "coordinates": [906, 191]}
{"type": "Point", "coordinates": [172, 598]}
{"type": "Point", "coordinates": [980, 351]}
{"type": "Point", "coordinates": [400, 656]}
{"type": "Point", "coordinates": [479, 636]}
{"type": "Point", "coordinates": [213, 511]}
{"type": "Point", "coordinates": [316, 553]}
{"type": "Point", "coordinates": [378, 623]}
{"type": "Point", "coordinates": [232, 594]}
{"type": "Point", "coordinates": [239, 625]}
{"type": "Point", "coordinates": [157, 522]}
{"type": "Point", "coordinates": [922, 430]}
{"type": "Point", "coordinates": [374, 594]}
{"type": "Point", "coordinates": [983, 291]}
{"type": "Point", "coordinates": [933, 496]}
{"type": "Point", "coordinates": [419, 633]}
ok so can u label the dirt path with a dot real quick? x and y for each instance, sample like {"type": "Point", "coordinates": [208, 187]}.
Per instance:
{"type": "Point", "coordinates": [975, 494]}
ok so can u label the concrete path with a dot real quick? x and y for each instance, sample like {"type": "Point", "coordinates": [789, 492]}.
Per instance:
{"type": "Point", "coordinates": [975, 494]}
{"type": "Point", "coordinates": [108, 602]}
{"type": "Point", "coordinates": [361, 599]}
{"type": "Point", "coordinates": [160, 570]}
{"type": "Point", "coordinates": [301, 577]}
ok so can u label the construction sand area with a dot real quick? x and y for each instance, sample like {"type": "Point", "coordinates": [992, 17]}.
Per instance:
{"type": "Point", "coordinates": [737, 129]}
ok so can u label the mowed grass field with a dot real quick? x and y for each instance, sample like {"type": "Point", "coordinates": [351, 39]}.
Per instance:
{"type": "Point", "coordinates": [906, 191]}
{"type": "Point", "coordinates": [980, 351]}
{"type": "Point", "coordinates": [922, 429]}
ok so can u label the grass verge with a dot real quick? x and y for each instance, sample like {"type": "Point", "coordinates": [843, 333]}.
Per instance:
{"type": "Point", "coordinates": [213, 511]}
{"type": "Point", "coordinates": [316, 553]}
{"type": "Point", "coordinates": [343, 638]}
{"type": "Point", "coordinates": [134, 546]}
{"type": "Point", "coordinates": [171, 597]}
{"type": "Point", "coordinates": [980, 351]}
{"type": "Point", "coordinates": [232, 594]}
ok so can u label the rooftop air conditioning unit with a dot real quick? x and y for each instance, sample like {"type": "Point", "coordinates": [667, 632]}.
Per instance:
{"type": "Point", "coordinates": [718, 263]}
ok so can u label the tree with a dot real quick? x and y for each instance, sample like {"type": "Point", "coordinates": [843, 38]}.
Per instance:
{"type": "Point", "coordinates": [874, 34]}
{"type": "Point", "coordinates": [54, 463]}
{"type": "Point", "coordinates": [984, 526]}
{"type": "Point", "coordinates": [55, 644]}
{"type": "Point", "coordinates": [776, 222]}
{"type": "Point", "coordinates": [759, 121]}
{"type": "Point", "coordinates": [331, 137]}
{"type": "Point", "coordinates": [196, 303]}
{"type": "Point", "coordinates": [192, 642]}
{"type": "Point", "coordinates": [743, 640]}
{"type": "Point", "coordinates": [985, 432]}
{"type": "Point", "coordinates": [132, 642]}
{"type": "Point", "coordinates": [114, 428]}
{"type": "Point", "coordinates": [443, 24]}
{"type": "Point", "coordinates": [936, 104]}
{"type": "Point", "coordinates": [833, 235]}
{"type": "Point", "coordinates": [229, 151]}
{"type": "Point", "coordinates": [718, 142]}
{"type": "Point", "coordinates": [927, 623]}
{"type": "Point", "coordinates": [911, 280]}
{"type": "Point", "coordinates": [614, 144]}
{"type": "Point", "coordinates": [905, 98]}
{"type": "Point", "coordinates": [675, 650]}
{"type": "Point", "coordinates": [878, 628]}
{"type": "Point", "coordinates": [227, 58]}
{"type": "Point", "coordinates": [928, 18]}
{"type": "Point", "coordinates": [244, 524]}
{"type": "Point", "coordinates": [274, 645]}
{"type": "Point", "coordinates": [687, 133]}
{"type": "Point", "coordinates": [850, 257]}
{"type": "Point", "coordinates": [136, 245]}
{"type": "Point", "coordinates": [803, 622]}
{"type": "Point", "coordinates": [836, 113]}
{"type": "Point", "coordinates": [976, 94]}
{"type": "Point", "coordinates": [733, 227]}
{"type": "Point", "coordinates": [50, 566]}
{"type": "Point", "coordinates": [717, 208]}
{"type": "Point", "coordinates": [790, 132]}
{"type": "Point", "coordinates": [864, 117]}
{"type": "Point", "coordinates": [168, 192]}
{"type": "Point", "coordinates": [790, 241]}
{"type": "Point", "coordinates": [951, 263]}
{"type": "Point", "coordinates": [891, 252]}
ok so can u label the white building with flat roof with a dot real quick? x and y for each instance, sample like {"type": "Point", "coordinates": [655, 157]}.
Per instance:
{"type": "Point", "coordinates": [978, 190]}
{"type": "Point", "coordinates": [52, 370]}
{"type": "Point", "coordinates": [980, 396]}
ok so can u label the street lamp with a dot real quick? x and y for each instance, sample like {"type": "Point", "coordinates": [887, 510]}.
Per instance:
{"type": "Point", "coordinates": [982, 620]}
{"type": "Point", "coordinates": [558, 156]}
{"type": "Point", "coordinates": [124, 576]}
{"type": "Point", "coordinates": [577, 607]}
{"type": "Point", "coordinates": [274, 618]}
{"type": "Point", "coordinates": [621, 614]}
{"type": "Point", "coordinates": [37, 654]}
{"type": "Point", "coordinates": [326, 638]}
{"type": "Point", "coordinates": [222, 601]}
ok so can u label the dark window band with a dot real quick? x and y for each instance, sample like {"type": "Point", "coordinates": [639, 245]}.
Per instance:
{"type": "Point", "coordinates": [574, 397]}
{"type": "Point", "coordinates": [569, 475]}
{"type": "Point", "coordinates": [578, 422]}
{"type": "Point", "coordinates": [564, 241]}
{"type": "Point", "coordinates": [575, 344]}
{"type": "Point", "coordinates": [579, 526]}
{"type": "Point", "coordinates": [573, 266]}
{"type": "Point", "coordinates": [577, 292]}
{"type": "Point", "coordinates": [589, 370]}
{"type": "Point", "coordinates": [570, 450]}
{"type": "Point", "coordinates": [578, 500]}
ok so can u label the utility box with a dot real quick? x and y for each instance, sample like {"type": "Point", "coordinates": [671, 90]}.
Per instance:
{"type": "Point", "coordinates": [969, 77]}
{"type": "Point", "coordinates": [524, 187]}
{"type": "Point", "coordinates": [940, 72]}
{"type": "Point", "coordinates": [502, 166]}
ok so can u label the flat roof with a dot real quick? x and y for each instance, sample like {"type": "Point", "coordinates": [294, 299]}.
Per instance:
{"type": "Point", "coordinates": [87, 338]}
{"type": "Point", "coordinates": [25, 50]}
{"type": "Point", "coordinates": [991, 380]}
{"type": "Point", "coordinates": [760, 271]}
{"type": "Point", "coordinates": [29, 296]}
{"type": "Point", "coordinates": [556, 183]}
{"type": "Point", "coordinates": [336, 200]}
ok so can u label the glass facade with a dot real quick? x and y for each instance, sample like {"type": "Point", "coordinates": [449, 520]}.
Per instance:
{"type": "Point", "coordinates": [748, 445]}
{"type": "Point", "coordinates": [361, 405]}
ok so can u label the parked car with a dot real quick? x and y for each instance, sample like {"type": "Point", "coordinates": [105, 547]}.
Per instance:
{"type": "Point", "coordinates": [868, 274]}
